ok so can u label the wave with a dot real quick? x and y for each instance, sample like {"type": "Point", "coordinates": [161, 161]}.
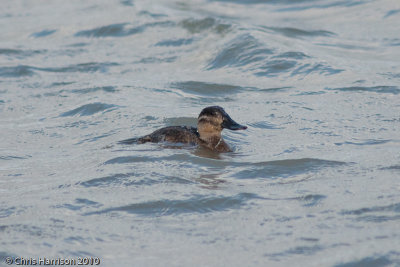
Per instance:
{"type": "Point", "coordinates": [89, 109]}
{"type": "Point", "coordinates": [197, 204]}
{"type": "Point", "coordinates": [121, 29]}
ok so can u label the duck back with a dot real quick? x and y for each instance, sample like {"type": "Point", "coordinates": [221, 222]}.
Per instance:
{"type": "Point", "coordinates": [172, 134]}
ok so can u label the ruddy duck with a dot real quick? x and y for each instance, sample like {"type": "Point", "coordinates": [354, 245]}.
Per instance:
{"type": "Point", "coordinates": [210, 123]}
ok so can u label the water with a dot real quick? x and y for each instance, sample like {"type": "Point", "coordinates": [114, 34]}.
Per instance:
{"type": "Point", "coordinates": [313, 181]}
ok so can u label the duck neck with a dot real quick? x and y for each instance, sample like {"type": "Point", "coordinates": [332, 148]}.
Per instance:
{"type": "Point", "coordinates": [210, 134]}
{"type": "Point", "coordinates": [212, 140]}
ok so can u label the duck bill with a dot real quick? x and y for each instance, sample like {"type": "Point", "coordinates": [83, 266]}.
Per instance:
{"type": "Point", "coordinates": [232, 125]}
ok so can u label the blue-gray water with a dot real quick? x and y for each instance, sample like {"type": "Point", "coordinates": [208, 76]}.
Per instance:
{"type": "Point", "coordinates": [313, 181]}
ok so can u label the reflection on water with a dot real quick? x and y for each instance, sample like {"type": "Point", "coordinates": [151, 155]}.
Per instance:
{"type": "Point", "coordinates": [207, 153]}
{"type": "Point", "coordinates": [210, 181]}
{"type": "Point", "coordinates": [312, 181]}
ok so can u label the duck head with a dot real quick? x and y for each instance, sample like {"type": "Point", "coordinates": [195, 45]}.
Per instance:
{"type": "Point", "coordinates": [212, 120]}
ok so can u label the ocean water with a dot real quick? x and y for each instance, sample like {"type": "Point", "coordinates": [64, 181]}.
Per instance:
{"type": "Point", "coordinates": [313, 181]}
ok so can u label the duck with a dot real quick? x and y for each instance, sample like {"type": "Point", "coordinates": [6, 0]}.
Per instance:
{"type": "Point", "coordinates": [210, 123]}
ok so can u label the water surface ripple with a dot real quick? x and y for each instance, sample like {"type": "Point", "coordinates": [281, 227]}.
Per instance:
{"type": "Point", "coordinates": [313, 181]}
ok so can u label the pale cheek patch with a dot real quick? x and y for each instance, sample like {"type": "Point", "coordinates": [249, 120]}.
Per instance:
{"type": "Point", "coordinates": [214, 121]}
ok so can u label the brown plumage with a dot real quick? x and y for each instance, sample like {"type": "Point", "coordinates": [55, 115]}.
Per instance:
{"type": "Point", "coordinates": [210, 123]}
